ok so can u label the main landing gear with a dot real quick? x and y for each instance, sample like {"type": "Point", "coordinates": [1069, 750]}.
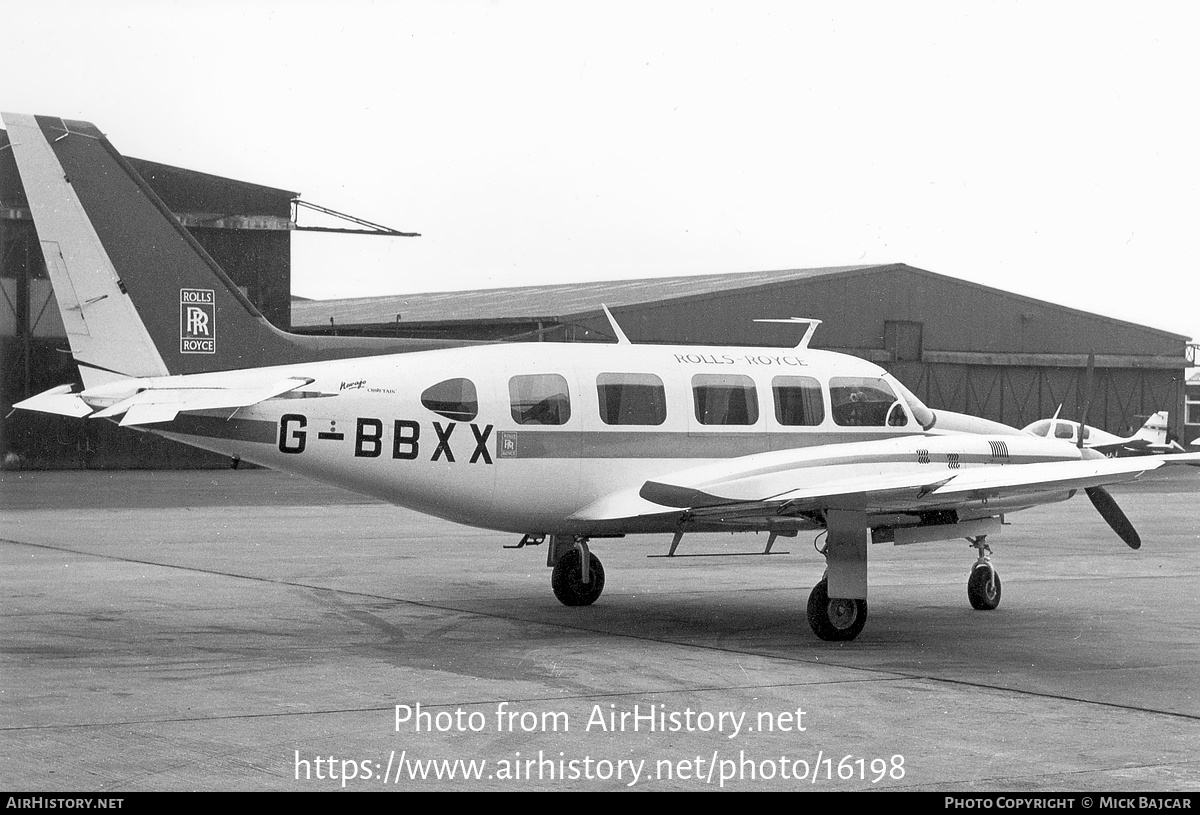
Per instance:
{"type": "Point", "coordinates": [983, 586]}
{"type": "Point", "coordinates": [835, 619]}
{"type": "Point", "coordinates": [837, 606]}
{"type": "Point", "coordinates": [841, 617]}
{"type": "Point", "coordinates": [578, 577]}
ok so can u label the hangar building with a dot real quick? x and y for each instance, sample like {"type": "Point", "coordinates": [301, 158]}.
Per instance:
{"type": "Point", "coordinates": [958, 345]}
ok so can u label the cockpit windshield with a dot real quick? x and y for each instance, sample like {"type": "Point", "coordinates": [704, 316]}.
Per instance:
{"type": "Point", "coordinates": [920, 412]}
{"type": "Point", "coordinates": [859, 401]}
{"type": "Point", "coordinates": [1060, 429]}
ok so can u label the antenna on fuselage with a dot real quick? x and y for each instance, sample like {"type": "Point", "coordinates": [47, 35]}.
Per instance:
{"type": "Point", "coordinates": [621, 338]}
{"type": "Point", "coordinates": [812, 323]}
{"type": "Point", "coordinates": [1087, 397]}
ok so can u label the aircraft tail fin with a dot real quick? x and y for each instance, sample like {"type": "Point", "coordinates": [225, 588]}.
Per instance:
{"type": "Point", "coordinates": [106, 333]}
{"type": "Point", "coordinates": [1154, 429]}
{"type": "Point", "coordinates": [138, 295]}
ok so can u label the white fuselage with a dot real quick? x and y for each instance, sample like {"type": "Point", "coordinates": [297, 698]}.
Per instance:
{"type": "Point", "coordinates": [383, 426]}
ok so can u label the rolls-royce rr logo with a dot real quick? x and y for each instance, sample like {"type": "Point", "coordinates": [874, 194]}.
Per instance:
{"type": "Point", "coordinates": [197, 321]}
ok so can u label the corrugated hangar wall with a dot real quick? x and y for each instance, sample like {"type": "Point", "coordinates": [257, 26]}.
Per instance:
{"type": "Point", "coordinates": [856, 307]}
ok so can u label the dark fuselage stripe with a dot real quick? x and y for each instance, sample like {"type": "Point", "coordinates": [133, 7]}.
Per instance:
{"type": "Point", "coordinates": [659, 444]}
{"type": "Point", "coordinates": [215, 427]}
{"type": "Point", "coordinates": [612, 444]}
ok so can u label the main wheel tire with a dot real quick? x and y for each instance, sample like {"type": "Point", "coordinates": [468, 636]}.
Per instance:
{"type": "Point", "coordinates": [983, 588]}
{"type": "Point", "coordinates": [567, 579]}
{"type": "Point", "coordinates": [835, 619]}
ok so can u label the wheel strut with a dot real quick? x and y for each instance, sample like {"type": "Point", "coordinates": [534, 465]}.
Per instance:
{"type": "Point", "coordinates": [985, 551]}
{"type": "Point", "coordinates": [585, 559]}
{"type": "Point", "coordinates": [578, 577]}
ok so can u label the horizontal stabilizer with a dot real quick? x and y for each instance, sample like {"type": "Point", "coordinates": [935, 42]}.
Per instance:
{"type": "Point", "coordinates": [58, 400]}
{"type": "Point", "coordinates": [157, 405]}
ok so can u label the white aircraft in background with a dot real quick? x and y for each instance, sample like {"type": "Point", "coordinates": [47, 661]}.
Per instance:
{"type": "Point", "coordinates": [560, 443]}
{"type": "Point", "coordinates": [1152, 437]}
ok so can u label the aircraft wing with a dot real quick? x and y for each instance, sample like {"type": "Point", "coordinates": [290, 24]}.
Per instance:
{"type": "Point", "coordinates": [766, 488]}
{"type": "Point", "coordinates": [148, 405]}
{"type": "Point", "coordinates": [1123, 445]}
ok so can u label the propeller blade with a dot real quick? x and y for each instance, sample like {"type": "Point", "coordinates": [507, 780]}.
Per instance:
{"type": "Point", "coordinates": [1110, 512]}
{"type": "Point", "coordinates": [1087, 403]}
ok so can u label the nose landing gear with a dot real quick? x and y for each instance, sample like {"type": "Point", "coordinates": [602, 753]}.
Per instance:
{"type": "Point", "coordinates": [983, 586]}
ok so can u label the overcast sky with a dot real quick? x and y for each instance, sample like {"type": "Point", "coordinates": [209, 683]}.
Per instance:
{"type": "Point", "coordinates": [1048, 149]}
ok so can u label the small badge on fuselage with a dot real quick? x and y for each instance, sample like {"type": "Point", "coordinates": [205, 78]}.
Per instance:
{"type": "Point", "coordinates": [506, 444]}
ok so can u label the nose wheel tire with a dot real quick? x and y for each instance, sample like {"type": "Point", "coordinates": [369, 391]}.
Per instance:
{"type": "Point", "coordinates": [835, 619]}
{"type": "Point", "coordinates": [567, 579]}
{"type": "Point", "coordinates": [983, 588]}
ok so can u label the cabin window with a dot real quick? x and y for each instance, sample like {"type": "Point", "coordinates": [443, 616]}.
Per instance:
{"type": "Point", "coordinates": [865, 402]}
{"type": "Point", "coordinates": [1062, 429]}
{"type": "Point", "coordinates": [636, 399]}
{"type": "Point", "coordinates": [798, 401]}
{"type": "Point", "coordinates": [725, 399]}
{"type": "Point", "coordinates": [1066, 430]}
{"type": "Point", "coordinates": [453, 398]}
{"type": "Point", "coordinates": [539, 399]}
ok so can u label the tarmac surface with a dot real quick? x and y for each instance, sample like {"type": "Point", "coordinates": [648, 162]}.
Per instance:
{"type": "Point", "coordinates": [246, 630]}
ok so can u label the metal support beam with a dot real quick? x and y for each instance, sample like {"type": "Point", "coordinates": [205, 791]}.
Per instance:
{"type": "Point", "coordinates": [365, 227]}
{"type": "Point", "coordinates": [1079, 361]}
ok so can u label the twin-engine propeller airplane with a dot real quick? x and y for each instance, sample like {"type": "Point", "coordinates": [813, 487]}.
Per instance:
{"type": "Point", "coordinates": [1154, 436]}
{"type": "Point", "coordinates": [565, 442]}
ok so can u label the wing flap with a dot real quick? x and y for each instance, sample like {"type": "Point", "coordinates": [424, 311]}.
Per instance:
{"type": "Point", "coordinates": [856, 493]}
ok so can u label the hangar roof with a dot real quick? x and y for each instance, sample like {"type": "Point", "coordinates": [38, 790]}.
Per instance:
{"type": "Point", "coordinates": [524, 303]}
{"type": "Point", "coordinates": [563, 300]}
{"type": "Point", "coordinates": [185, 190]}
{"type": "Point", "coordinates": [182, 190]}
